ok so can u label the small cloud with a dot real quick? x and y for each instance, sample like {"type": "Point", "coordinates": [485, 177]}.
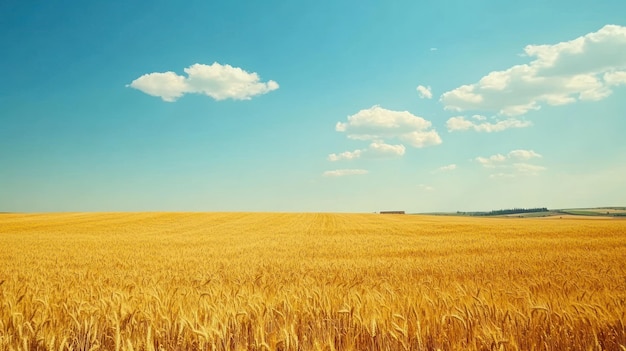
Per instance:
{"type": "Point", "coordinates": [217, 81]}
{"type": "Point", "coordinates": [523, 154]}
{"type": "Point", "coordinates": [348, 155]}
{"type": "Point", "coordinates": [377, 123]}
{"type": "Point", "coordinates": [501, 175]}
{"type": "Point", "coordinates": [509, 166]}
{"type": "Point", "coordinates": [344, 172]}
{"type": "Point", "coordinates": [460, 123]}
{"type": "Point", "coordinates": [433, 49]}
{"type": "Point", "coordinates": [380, 149]}
{"type": "Point", "coordinates": [528, 168]}
{"type": "Point", "coordinates": [425, 187]}
{"type": "Point", "coordinates": [447, 168]}
{"type": "Point", "coordinates": [424, 92]}
{"type": "Point", "coordinates": [377, 149]}
{"type": "Point", "coordinates": [491, 160]}
{"type": "Point", "coordinates": [169, 86]}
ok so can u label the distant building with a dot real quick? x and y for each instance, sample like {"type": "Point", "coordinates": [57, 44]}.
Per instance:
{"type": "Point", "coordinates": [391, 212]}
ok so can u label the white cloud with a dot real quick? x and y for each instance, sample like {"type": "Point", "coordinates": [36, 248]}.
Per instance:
{"type": "Point", "coordinates": [479, 117]}
{"type": "Point", "coordinates": [344, 172]}
{"type": "Point", "coordinates": [433, 49]}
{"type": "Point", "coordinates": [424, 92]}
{"type": "Point", "coordinates": [347, 155]}
{"type": "Point", "coordinates": [523, 154]}
{"type": "Point", "coordinates": [377, 149]}
{"type": "Point", "coordinates": [501, 175]}
{"type": "Point", "coordinates": [450, 167]}
{"type": "Point", "coordinates": [528, 168]}
{"type": "Point", "coordinates": [421, 139]}
{"type": "Point", "coordinates": [217, 81]}
{"type": "Point", "coordinates": [426, 187]}
{"type": "Point", "coordinates": [380, 149]}
{"type": "Point", "coordinates": [377, 123]}
{"type": "Point", "coordinates": [491, 160]}
{"type": "Point", "coordinates": [509, 166]}
{"type": "Point", "coordinates": [461, 123]}
{"type": "Point", "coordinates": [581, 69]}
{"type": "Point", "coordinates": [168, 86]}
{"type": "Point", "coordinates": [615, 78]}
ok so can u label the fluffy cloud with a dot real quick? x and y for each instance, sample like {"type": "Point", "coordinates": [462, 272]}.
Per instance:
{"type": "Point", "coordinates": [615, 78]}
{"type": "Point", "coordinates": [447, 168]}
{"type": "Point", "coordinates": [376, 149]}
{"type": "Point", "coordinates": [377, 123]}
{"type": "Point", "coordinates": [168, 86]}
{"type": "Point", "coordinates": [491, 161]}
{"type": "Point", "coordinates": [510, 164]}
{"type": "Point", "coordinates": [479, 117]}
{"type": "Point", "coordinates": [421, 139]}
{"type": "Point", "coordinates": [380, 149]}
{"type": "Point", "coordinates": [344, 172]}
{"type": "Point", "coordinates": [347, 155]}
{"type": "Point", "coordinates": [217, 81]}
{"type": "Point", "coordinates": [581, 69]}
{"type": "Point", "coordinates": [523, 154]}
{"type": "Point", "coordinates": [424, 92]}
{"type": "Point", "coordinates": [461, 123]}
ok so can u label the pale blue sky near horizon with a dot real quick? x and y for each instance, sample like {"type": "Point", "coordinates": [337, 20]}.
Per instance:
{"type": "Point", "coordinates": [324, 106]}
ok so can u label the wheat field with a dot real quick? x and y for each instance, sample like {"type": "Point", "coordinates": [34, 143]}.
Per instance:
{"type": "Point", "coordinates": [255, 281]}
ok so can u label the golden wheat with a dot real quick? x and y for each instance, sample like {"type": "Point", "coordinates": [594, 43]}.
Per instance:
{"type": "Point", "coordinates": [244, 281]}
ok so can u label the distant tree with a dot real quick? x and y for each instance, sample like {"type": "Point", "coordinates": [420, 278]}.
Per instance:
{"type": "Point", "coordinates": [510, 211]}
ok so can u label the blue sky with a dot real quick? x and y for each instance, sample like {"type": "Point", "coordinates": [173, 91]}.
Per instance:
{"type": "Point", "coordinates": [352, 106]}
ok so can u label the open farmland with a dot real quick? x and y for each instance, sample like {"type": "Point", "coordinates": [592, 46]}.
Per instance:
{"type": "Point", "coordinates": [244, 281]}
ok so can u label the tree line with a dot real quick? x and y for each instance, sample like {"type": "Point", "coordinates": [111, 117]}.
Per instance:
{"type": "Point", "coordinates": [505, 212]}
